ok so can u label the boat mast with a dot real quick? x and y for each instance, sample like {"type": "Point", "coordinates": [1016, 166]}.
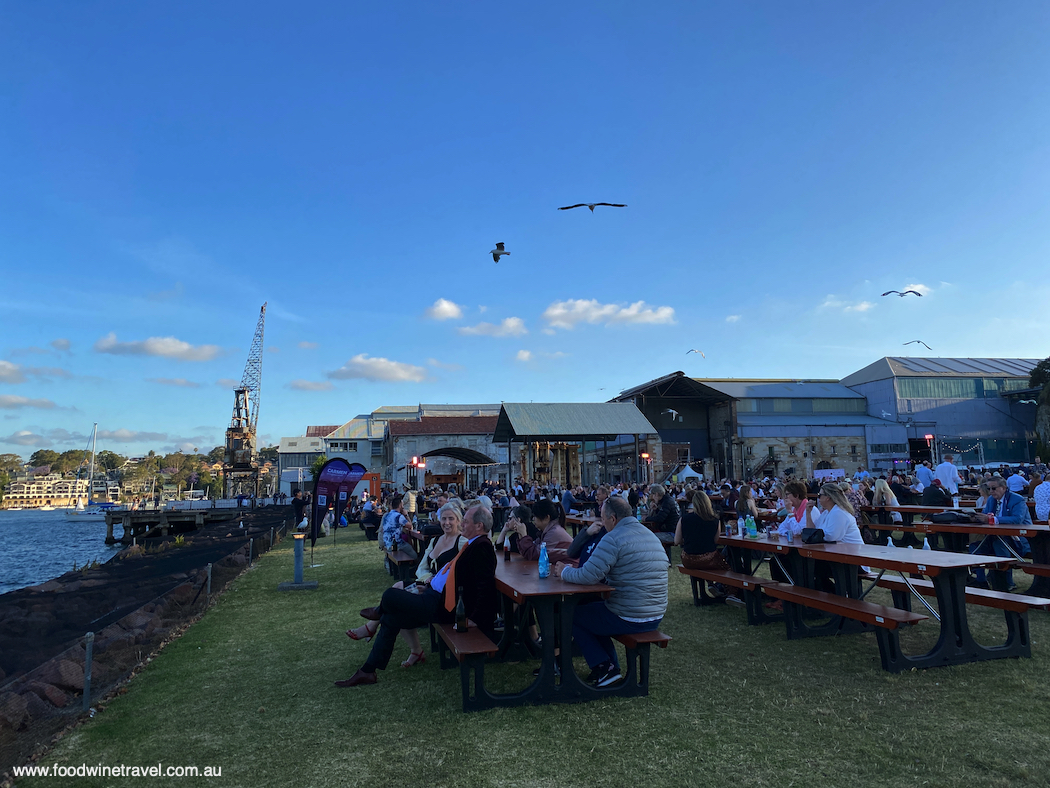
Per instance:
{"type": "Point", "coordinates": [91, 468]}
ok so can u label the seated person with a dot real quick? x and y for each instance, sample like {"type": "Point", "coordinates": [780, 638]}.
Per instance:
{"type": "Point", "coordinates": [473, 570]}
{"type": "Point", "coordinates": [663, 514]}
{"type": "Point", "coordinates": [439, 552]}
{"type": "Point", "coordinates": [836, 519]}
{"type": "Point", "coordinates": [509, 533]}
{"type": "Point", "coordinates": [585, 543]}
{"type": "Point", "coordinates": [1009, 508]}
{"type": "Point", "coordinates": [696, 532]}
{"type": "Point", "coordinates": [795, 499]}
{"type": "Point", "coordinates": [936, 495]}
{"type": "Point", "coordinates": [632, 560]}
{"type": "Point", "coordinates": [557, 539]}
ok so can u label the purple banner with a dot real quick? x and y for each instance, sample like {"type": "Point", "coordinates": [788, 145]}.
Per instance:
{"type": "Point", "coordinates": [334, 486]}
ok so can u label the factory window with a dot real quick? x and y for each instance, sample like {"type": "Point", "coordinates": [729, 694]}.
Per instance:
{"type": "Point", "coordinates": [834, 450]}
{"type": "Point", "coordinates": [772, 451]}
{"type": "Point", "coordinates": [750, 449]}
{"type": "Point", "coordinates": [852, 449]}
{"type": "Point", "coordinates": [957, 388]}
{"type": "Point", "coordinates": [791, 450]}
{"type": "Point", "coordinates": [377, 448]}
{"type": "Point", "coordinates": [781, 405]}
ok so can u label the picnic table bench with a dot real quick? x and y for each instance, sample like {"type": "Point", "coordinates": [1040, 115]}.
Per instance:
{"type": "Point", "coordinates": [405, 564]}
{"type": "Point", "coordinates": [469, 650]}
{"type": "Point", "coordinates": [1015, 607]}
{"type": "Point", "coordinates": [749, 584]}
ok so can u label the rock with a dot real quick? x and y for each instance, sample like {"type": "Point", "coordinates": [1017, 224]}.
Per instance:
{"type": "Point", "coordinates": [63, 673]}
{"type": "Point", "coordinates": [48, 692]}
{"type": "Point", "coordinates": [36, 709]}
{"type": "Point", "coordinates": [12, 710]}
{"type": "Point", "coordinates": [136, 620]}
{"type": "Point", "coordinates": [183, 594]}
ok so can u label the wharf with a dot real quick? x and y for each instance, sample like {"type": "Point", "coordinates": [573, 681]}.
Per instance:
{"type": "Point", "coordinates": [149, 523]}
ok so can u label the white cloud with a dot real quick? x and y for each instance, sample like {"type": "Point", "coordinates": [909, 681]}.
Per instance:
{"type": "Point", "coordinates": [482, 309]}
{"type": "Point", "coordinates": [310, 385]}
{"type": "Point", "coordinates": [524, 355]}
{"type": "Point", "coordinates": [508, 327]}
{"type": "Point", "coordinates": [11, 373]}
{"type": "Point", "coordinates": [131, 436]}
{"type": "Point", "coordinates": [180, 382]}
{"type": "Point", "coordinates": [227, 383]}
{"type": "Point", "coordinates": [919, 289]}
{"type": "Point", "coordinates": [61, 345]}
{"type": "Point", "coordinates": [555, 354]}
{"type": "Point", "coordinates": [26, 438]}
{"type": "Point", "coordinates": [834, 302]}
{"type": "Point", "coordinates": [733, 318]}
{"type": "Point", "coordinates": [273, 349]}
{"type": "Point", "coordinates": [444, 365]}
{"type": "Point", "coordinates": [567, 314]}
{"type": "Point", "coordinates": [366, 368]}
{"type": "Point", "coordinates": [307, 345]}
{"type": "Point", "coordinates": [168, 347]}
{"type": "Point", "coordinates": [443, 309]}
{"type": "Point", "coordinates": [11, 402]}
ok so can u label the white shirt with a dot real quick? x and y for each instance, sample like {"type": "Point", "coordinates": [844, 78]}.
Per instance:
{"type": "Point", "coordinates": [1017, 482]}
{"type": "Point", "coordinates": [949, 476]}
{"type": "Point", "coordinates": [838, 525]}
{"type": "Point", "coordinates": [1042, 501]}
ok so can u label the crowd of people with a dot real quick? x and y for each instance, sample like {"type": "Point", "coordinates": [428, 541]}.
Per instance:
{"type": "Point", "coordinates": [629, 546]}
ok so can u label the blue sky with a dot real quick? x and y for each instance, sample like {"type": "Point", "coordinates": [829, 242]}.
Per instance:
{"type": "Point", "coordinates": [168, 167]}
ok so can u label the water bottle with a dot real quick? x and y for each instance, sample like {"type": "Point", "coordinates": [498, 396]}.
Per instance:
{"type": "Point", "coordinates": [545, 562]}
{"type": "Point", "coordinates": [741, 527]}
{"type": "Point", "coordinates": [752, 527]}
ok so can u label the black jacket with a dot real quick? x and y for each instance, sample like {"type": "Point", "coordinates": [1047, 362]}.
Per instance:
{"type": "Point", "coordinates": [665, 518]}
{"type": "Point", "coordinates": [475, 573]}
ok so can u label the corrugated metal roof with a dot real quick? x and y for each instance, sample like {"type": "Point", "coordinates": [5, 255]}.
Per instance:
{"type": "Point", "coordinates": [811, 419]}
{"type": "Point", "coordinates": [570, 421]}
{"type": "Point", "coordinates": [910, 367]}
{"type": "Point", "coordinates": [387, 410]}
{"type": "Point", "coordinates": [781, 389]}
{"type": "Point", "coordinates": [459, 410]}
{"type": "Point", "coordinates": [362, 428]}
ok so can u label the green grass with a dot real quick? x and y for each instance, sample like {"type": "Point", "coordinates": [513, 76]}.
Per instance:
{"type": "Point", "coordinates": [249, 688]}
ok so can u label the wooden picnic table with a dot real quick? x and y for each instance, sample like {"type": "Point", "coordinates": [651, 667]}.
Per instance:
{"type": "Point", "coordinates": [578, 521]}
{"type": "Point", "coordinates": [948, 571]}
{"type": "Point", "coordinates": [554, 602]}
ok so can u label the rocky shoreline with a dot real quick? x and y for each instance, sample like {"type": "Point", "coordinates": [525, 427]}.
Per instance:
{"type": "Point", "coordinates": [136, 601]}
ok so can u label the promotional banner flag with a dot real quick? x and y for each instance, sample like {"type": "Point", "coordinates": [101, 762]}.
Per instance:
{"type": "Point", "coordinates": [335, 483]}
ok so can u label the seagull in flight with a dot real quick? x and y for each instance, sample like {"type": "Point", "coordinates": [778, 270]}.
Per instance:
{"type": "Point", "coordinates": [672, 411]}
{"type": "Point", "coordinates": [498, 251]}
{"type": "Point", "coordinates": [696, 351]}
{"type": "Point", "coordinates": [898, 292]}
{"type": "Point", "coordinates": [591, 205]}
{"type": "Point", "coordinates": [1026, 402]}
{"type": "Point", "coordinates": [920, 342]}
{"type": "Point", "coordinates": [887, 415]}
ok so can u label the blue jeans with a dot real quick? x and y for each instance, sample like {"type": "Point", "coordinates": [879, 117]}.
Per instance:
{"type": "Point", "coordinates": [592, 626]}
{"type": "Point", "coordinates": [991, 545]}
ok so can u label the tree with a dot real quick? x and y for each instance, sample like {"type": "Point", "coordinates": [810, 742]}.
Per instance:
{"type": "Point", "coordinates": [109, 460]}
{"type": "Point", "coordinates": [11, 463]}
{"type": "Point", "coordinates": [1040, 375]}
{"type": "Point", "coordinates": [268, 453]}
{"type": "Point", "coordinates": [315, 469]}
{"type": "Point", "coordinates": [4, 481]}
{"type": "Point", "coordinates": [216, 455]}
{"type": "Point", "coordinates": [43, 457]}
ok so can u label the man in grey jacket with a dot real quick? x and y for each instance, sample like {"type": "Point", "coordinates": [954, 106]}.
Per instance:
{"type": "Point", "coordinates": [631, 559]}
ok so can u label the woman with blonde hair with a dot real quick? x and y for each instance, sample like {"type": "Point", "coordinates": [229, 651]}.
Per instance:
{"type": "Point", "coordinates": [835, 517]}
{"type": "Point", "coordinates": [695, 534]}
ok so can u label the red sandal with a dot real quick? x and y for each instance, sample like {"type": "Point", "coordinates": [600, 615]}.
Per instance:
{"type": "Point", "coordinates": [355, 634]}
{"type": "Point", "coordinates": [414, 659]}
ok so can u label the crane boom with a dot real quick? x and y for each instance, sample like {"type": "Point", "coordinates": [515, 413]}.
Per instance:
{"type": "Point", "coordinates": [252, 377]}
{"type": "Point", "coordinates": [239, 463]}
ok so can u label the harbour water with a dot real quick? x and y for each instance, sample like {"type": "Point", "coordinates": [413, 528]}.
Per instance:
{"type": "Point", "coordinates": [38, 546]}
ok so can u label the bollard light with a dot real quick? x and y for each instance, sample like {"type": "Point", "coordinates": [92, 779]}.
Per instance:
{"type": "Point", "coordinates": [298, 583]}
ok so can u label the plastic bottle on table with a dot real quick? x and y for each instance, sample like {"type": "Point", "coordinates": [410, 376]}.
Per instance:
{"type": "Point", "coordinates": [544, 562]}
{"type": "Point", "coordinates": [741, 527]}
{"type": "Point", "coordinates": [752, 527]}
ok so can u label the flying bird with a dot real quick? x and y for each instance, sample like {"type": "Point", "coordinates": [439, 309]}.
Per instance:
{"type": "Point", "coordinates": [672, 411]}
{"type": "Point", "coordinates": [498, 251]}
{"type": "Point", "coordinates": [887, 415]}
{"type": "Point", "coordinates": [898, 292]}
{"type": "Point", "coordinates": [591, 205]}
{"type": "Point", "coordinates": [696, 351]}
{"type": "Point", "coordinates": [1026, 402]}
{"type": "Point", "coordinates": [920, 342]}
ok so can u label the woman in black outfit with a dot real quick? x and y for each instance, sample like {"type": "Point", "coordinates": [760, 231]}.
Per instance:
{"type": "Point", "coordinates": [696, 532]}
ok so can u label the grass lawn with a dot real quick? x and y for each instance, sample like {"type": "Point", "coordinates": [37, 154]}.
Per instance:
{"type": "Point", "coordinates": [249, 688]}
